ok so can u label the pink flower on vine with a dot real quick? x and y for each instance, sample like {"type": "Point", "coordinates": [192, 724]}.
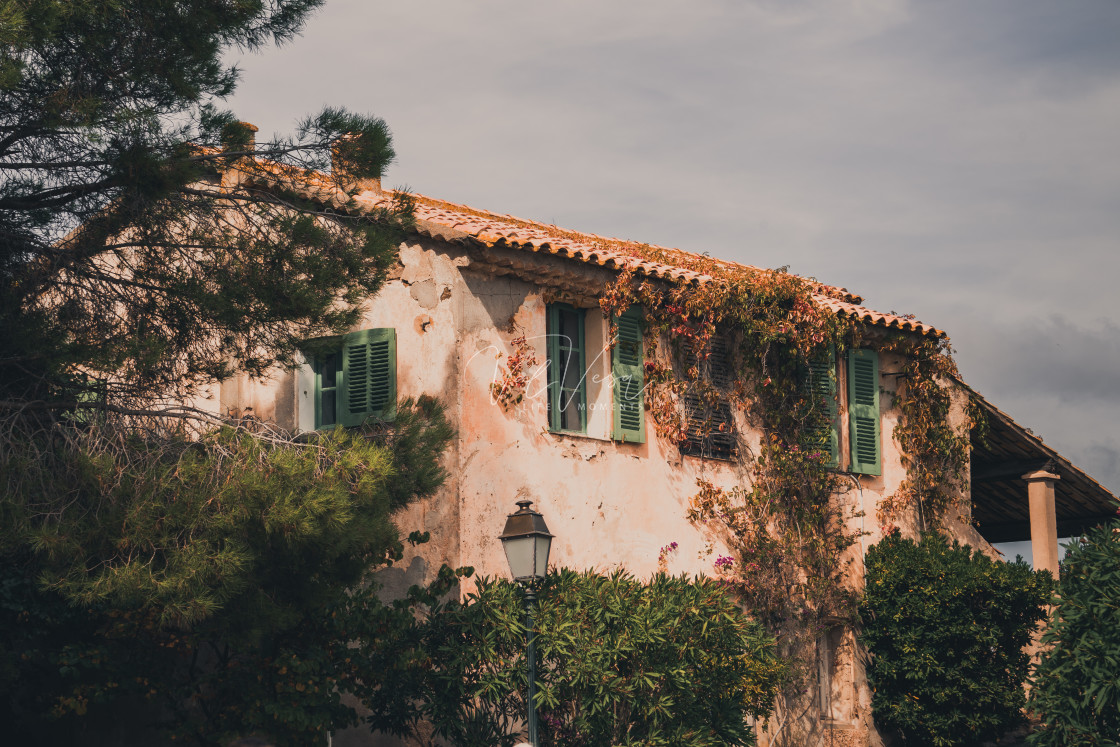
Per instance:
{"type": "Point", "coordinates": [724, 563]}
{"type": "Point", "coordinates": [671, 547]}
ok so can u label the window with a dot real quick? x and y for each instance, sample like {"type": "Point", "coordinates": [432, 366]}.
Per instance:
{"type": "Point", "coordinates": [356, 380]}
{"type": "Point", "coordinates": [627, 373]}
{"type": "Point", "coordinates": [831, 675]}
{"type": "Point", "coordinates": [823, 419]}
{"type": "Point", "coordinates": [567, 369]}
{"type": "Point", "coordinates": [710, 429]}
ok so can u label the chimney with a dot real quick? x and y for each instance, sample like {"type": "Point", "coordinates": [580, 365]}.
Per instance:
{"type": "Point", "coordinates": [237, 137]}
{"type": "Point", "coordinates": [234, 136]}
{"type": "Point", "coordinates": [341, 167]}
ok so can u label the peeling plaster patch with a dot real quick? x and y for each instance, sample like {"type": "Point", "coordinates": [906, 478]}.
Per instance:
{"type": "Point", "coordinates": [446, 294]}
{"type": "Point", "coordinates": [424, 292]}
{"type": "Point", "coordinates": [422, 323]}
{"type": "Point", "coordinates": [417, 265]}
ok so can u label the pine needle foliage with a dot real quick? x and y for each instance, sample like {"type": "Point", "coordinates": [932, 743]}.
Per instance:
{"type": "Point", "coordinates": [218, 579]}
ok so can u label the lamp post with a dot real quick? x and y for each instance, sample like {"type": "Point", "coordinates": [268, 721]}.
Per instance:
{"type": "Point", "coordinates": [526, 540]}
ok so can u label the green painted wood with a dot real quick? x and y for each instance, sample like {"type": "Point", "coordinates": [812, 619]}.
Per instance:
{"type": "Point", "coordinates": [369, 376]}
{"type": "Point", "coordinates": [627, 371]}
{"type": "Point", "coordinates": [863, 412]}
{"type": "Point", "coordinates": [823, 422]}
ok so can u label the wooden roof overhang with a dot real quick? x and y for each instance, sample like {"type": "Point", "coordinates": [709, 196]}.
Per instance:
{"type": "Point", "coordinates": [1000, 458]}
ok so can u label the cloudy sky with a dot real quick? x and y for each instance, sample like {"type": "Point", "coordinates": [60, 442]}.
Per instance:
{"type": "Point", "coordinates": [954, 159]}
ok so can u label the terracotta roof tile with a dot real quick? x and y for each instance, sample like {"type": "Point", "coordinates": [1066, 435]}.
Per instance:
{"type": "Point", "coordinates": [493, 229]}
{"type": "Point", "coordinates": [878, 318]}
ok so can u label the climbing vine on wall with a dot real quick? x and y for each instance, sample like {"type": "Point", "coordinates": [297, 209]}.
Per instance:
{"type": "Point", "coordinates": [508, 388]}
{"type": "Point", "coordinates": [935, 451]}
{"type": "Point", "coordinates": [786, 524]}
{"type": "Point", "coordinates": [789, 521]}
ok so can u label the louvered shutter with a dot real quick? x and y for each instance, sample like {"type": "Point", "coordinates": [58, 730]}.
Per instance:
{"type": "Point", "coordinates": [709, 426]}
{"type": "Point", "coordinates": [822, 427]}
{"type": "Point", "coordinates": [369, 376]}
{"type": "Point", "coordinates": [628, 375]}
{"type": "Point", "coordinates": [863, 411]}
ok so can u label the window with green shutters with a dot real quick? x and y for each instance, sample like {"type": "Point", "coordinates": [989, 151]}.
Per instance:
{"type": "Point", "coordinates": [567, 368]}
{"type": "Point", "coordinates": [822, 426]}
{"type": "Point", "coordinates": [627, 374]}
{"type": "Point", "coordinates": [709, 425]}
{"type": "Point", "coordinates": [358, 381]}
{"type": "Point", "coordinates": [863, 412]}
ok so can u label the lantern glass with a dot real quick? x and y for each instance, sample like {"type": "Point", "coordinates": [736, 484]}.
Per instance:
{"type": "Point", "coordinates": [526, 541]}
{"type": "Point", "coordinates": [520, 554]}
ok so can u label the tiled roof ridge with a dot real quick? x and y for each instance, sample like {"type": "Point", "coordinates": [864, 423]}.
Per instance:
{"type": "Point", "coordinates": [590, 248]}
{"type": "Point", "coordinates": [633, 249]}
{"type": "Point", "coordinates": [486, 227]}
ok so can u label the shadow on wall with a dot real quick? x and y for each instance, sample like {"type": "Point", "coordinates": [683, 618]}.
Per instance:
{"type": "Point", "coordinates": [491, 303]}
{"type": "Point", "coordinates": [396, 579]}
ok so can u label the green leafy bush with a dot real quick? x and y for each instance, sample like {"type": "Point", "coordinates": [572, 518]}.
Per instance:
{"type": "Point", "coordinates": [946, 628]}
{"type": "Point", "coordinates": [1077, 682]}
{"type": "Point", "coordinates": [671, 661]}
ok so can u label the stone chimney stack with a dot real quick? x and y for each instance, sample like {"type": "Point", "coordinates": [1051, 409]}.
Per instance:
{"type": "Point", "coordinates": [234, 132]}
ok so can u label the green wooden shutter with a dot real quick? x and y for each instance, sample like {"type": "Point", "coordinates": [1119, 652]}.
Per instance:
{"type": "Point", "coordinates": [863, 411]}
{"type": "Point", "coordinates": [627, 371]}
{"type": "Point", "coordinates": [823, 423]}
{"type": "Point", "coordinates": [369, 376]}
{"type": "Point", "coordinates": [709, 424]}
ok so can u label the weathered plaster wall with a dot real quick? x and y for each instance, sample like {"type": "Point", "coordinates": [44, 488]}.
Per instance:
{"type": "Point", "coordinates": [609, 504]}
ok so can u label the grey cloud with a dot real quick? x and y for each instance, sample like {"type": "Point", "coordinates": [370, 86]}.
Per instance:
{"type": "Point", "coordinates": [1102, 461]}
{"type": "Point", "coordinates": [1048, 358]}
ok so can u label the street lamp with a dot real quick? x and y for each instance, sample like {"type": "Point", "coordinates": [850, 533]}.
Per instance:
{"type": "Point", "coordinates": [526, 540]}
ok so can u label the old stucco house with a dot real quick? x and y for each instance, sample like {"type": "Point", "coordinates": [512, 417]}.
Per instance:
{"type": "Point", "coordinates": [470, 282]}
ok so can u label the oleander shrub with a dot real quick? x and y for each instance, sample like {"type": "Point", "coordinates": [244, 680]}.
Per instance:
{"type": "Point", "coordinates": [621, 661]}
{"type": "Point", "coordinates": [1076, 691]}
{"type": "Point", "coordinates": [945, 628]}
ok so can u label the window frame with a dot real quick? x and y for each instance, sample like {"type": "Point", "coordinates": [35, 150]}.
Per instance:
{"type": "Point", "coordinates": [857, 396]}
{"type": "Point", "coordinates": [555, 373]}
